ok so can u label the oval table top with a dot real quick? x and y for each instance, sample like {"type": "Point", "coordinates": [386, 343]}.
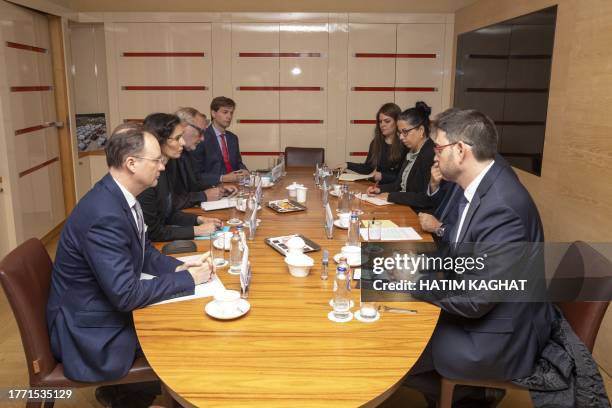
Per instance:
{"type": "Point", "coordinates": [284, 351]}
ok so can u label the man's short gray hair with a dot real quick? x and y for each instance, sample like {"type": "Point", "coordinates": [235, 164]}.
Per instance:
{"type": "Point", "coordinates": [187, 114]}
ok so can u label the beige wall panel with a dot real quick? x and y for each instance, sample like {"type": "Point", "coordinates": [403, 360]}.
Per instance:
{"type": "Point", "coordinates": [84, 69]}
{"type": "Point", "coordinates": [256, 105]}
{"type": "Point", "coordinates": [98, 168]}
{"type": "Point", "coordinates": [304, 38]}
{"type": "Point", "coordinates": [19, 25]}
{"type": "Point", "coordinates": [303, 135]}
{"type": "Point", "coordinates": [303, 105]}
{"type": "Point", "coordinates": [5, 245]}
{"type": "Point", "coordinates": [222, 51]}
{"type": "Point", "coordinates": [371, 38]}
{"type": "Point", "coordinates": [359, 138]}
{"type": "Point", "coordinates": [83, 176]}
{"type": "Point", "coordinates": [26, 109]}
{"type": "Point", "coordinates": [177, 37]}
{"type": "Point", "coordinates": [364, 105]}
{"type": "Point", "coordinates": [573, 194]}
{"type": "Point", "coordinates": [337, 91]}
{"type": "Point", "coordinates": [165, 71]}
{"type": "Point", "coordinates": [101, 77]}
{"type": "Point", "coordinates": [24, 71]}
{"type": "Point", "coordinates": [35, 148]}
{"type": "Point", "coordinates": [138, 104]}
{"type": "Point", "coordinates": [407, 100]}
{"type": "Point", "coordinates": [257, 137]}
{"type": "Point", "coordinates": [257, 162]}
{"type": "Point", "coordinates": [254, 37]}
{"type": "Point", "coordinates": [40, 203]}
{"type": "Point", "coordinates": [303, 72]}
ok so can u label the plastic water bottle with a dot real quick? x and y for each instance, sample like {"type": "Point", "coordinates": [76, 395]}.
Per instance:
{"type": "Point", "coordinates": [236, 250]}
{"type": "Point", "coordinates": [341, 301]}
{"type": "Point", "coordinates": [353, 230]}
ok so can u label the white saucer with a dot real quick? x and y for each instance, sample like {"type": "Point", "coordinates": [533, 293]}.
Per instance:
{"type": "Point", "coordinates": [359, 212]}
{"type": "Point", "coordinates": [218, 243]}
{"type": "Point", "coordinates": [212, 310]}
{"type": "Point", "coordinates": [351, 264]}
{"type": "Point", "coordinates": [332, 192]}
{"type": "Point", "coordinates": [229, 270]}
{"type": "Point", "coordinates": [351, 303]}
{"type": "Point", "coordinates": [361, 319]}
{"type": "Point", "coordinates": [267, 185]}
{"type": "Point", "coordinates": [234, 222]}
{"type": "Point", "coordinates": [337, 224]}
{"type": "Point", "coordinates": [223, 264]}
{"type": "Point", "coordinates": [333, 318]}
{"type": "Point", "coordinates": [243, 209]}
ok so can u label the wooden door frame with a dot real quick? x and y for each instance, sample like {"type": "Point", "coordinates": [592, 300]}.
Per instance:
{"type": "Point", "coordinates": [62, 107]}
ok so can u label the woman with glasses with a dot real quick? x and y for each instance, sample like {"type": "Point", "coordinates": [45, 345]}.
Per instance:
{"type": "Point", "coordinates": [163, 222]}
{"type": "Point", "coordinates": [386, 152]}
{"type": "Point", "coordinates": [409, 188]}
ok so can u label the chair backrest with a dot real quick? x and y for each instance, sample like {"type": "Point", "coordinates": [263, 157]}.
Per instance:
{"type": "Point", "coordinates": [25, 274]}
{"type": "Point", "coordinates": [304, 156]}
{"type": "Point", "coordinates": [584, 317]}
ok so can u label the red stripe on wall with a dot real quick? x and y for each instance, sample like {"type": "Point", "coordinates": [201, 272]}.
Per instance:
{"type": "Point", "coordinates": [164, 88]}
{"type": "Point", "coordinates": [358, 153]}
{"type": "Point", "coordinates": [40, 166]}
{"type": "Point", "coordinates": [279, 88]}
{"type": "Point", "coordinates": [31, 129]}
{"type": "Point", "coordinates": [363, 121]}
{"type": "Point", "coordinates": [279, 54]}
{"type": "Point", "coordinates": [260, 153]}
{"type": "Point", "coordinates": [303, 121]}
{"type": "Point", "coordinates": [393, 89]}
{"type": "Point", "coordinates": [164, 54]}
{"type": "Point", "coordinates": [26, 47]}
{"type": "Point", "coordinates": [30, 88]}
{"type": "Point", "coordinates": [385, 55]}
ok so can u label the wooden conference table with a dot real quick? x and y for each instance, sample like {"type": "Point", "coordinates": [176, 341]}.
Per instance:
{"type": "Point", "coordinates": [285, 352]}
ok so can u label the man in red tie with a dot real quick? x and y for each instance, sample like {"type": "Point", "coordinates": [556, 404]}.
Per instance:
{"type": "Point", "coordinates": [218, 157]}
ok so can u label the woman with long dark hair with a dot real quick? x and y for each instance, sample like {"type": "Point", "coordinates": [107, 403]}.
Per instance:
{"type": "Point", "coordinates": [386, 152]}
{"type": "Point", "coordinates": [409, 188]}
{"type": "Point", "coordinates": [163, 221]}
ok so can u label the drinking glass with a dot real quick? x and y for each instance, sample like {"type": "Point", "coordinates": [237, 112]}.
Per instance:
{"type": "Point", "coordinates": [375, 230]}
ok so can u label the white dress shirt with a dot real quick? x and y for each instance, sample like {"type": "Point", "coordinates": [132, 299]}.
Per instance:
{"type": "Point", "coordinates": [469, 195]}
{"type": "Point", "coordinates": [131, 200]}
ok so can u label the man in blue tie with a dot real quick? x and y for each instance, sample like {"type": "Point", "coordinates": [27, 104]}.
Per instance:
{"type": "Point", "coordinates": [101, 254]}
{"type": "Point", "coordinates": [479, 336]}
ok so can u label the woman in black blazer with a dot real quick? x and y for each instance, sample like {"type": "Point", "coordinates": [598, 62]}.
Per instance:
{"type": "Point", "coordinates": [386, 152]}
{"type": "Point", "coordinates": [163, 222]}
{"type": "Point", "coordinates": [410, 186]}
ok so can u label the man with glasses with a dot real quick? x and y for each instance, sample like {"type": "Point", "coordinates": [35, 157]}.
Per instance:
{"type": "Point", "coordinates": [191, 188]}
{"type": "Point", "coordinates": [479, 336]}
{"type": "Point", "coordinates": [95, 283]}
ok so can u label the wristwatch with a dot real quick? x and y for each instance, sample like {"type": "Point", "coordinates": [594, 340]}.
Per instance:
{"type": "Point", "coordinates": [440, 230]}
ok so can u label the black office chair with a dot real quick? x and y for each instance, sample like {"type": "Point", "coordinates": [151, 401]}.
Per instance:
{"type": "Point", "coordinates": [304, 156]}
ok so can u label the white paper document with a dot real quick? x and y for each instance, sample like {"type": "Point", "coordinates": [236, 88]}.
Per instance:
{"type": "Point", "coordinates": [218, 204]}
{"type": "Point", "coordinates": [202, 290]}
{"type": "Point", "coordinates": [372, 200]}
{"type": "Point", "coordinates": [353, 177]}
{"type": "Point", "coordinates": [394, 234]}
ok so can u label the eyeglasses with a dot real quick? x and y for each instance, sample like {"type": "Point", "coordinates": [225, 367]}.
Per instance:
{"type": "Point", "coordinates": [160, 160]}
{"type": "Point", "coordinates": [199, 129]}
{"type": "Point", "coordinates": [438, 148]}
{"type": "Point", "coordinates": [406, 131]}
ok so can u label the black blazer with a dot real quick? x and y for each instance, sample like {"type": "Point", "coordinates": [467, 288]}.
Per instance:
{"type": "Point", "coordinates": [154, 202]}
{"type": "Point", "coordinates": [209, 158]}
{"type": "Point", "coordinates": [188, 189]}
{"type": "Point", "coordinates": [388, 168]}
{"type": "Point", "coordinates": [478, 338]}
{"type": "Point", "coordinates": [415, 195]}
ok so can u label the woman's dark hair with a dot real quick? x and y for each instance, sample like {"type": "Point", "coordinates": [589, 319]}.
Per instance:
{"type": "Point", "coordinates": [417, 116]}
{"type": "Point", "coordinates": [391, 110]}
{"type": "Point", "coordinates": [161, 125]}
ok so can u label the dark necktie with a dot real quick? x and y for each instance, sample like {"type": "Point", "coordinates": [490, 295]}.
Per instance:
{"type": "Point", "coordinates": [226, 159]}
{"type": "Point", "coordinates": [141, 226]}
{"type": "Point", "coordinates": [463, 202]}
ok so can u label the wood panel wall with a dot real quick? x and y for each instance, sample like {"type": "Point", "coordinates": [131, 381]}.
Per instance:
{"type": "Point", "coordinates": [574, 193]}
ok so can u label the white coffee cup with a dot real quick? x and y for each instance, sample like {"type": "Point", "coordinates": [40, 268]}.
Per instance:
{"type": "Point", "coordinates": [266, 181]}
{"type": "Point", "coordinates": [227, 301]}
{"type": "Point", "coordinates": [345, 219]}
{"type": "Point", "coordinates": [295, 245]}
{"type": "Point", "coordinates": [352, 253]}
{"type": "Point", "coordinates": [301, 194]}
{"type": "Point", "coordinates": [292, 190]}
{"type": "Point", "coordinates": [337, 188]}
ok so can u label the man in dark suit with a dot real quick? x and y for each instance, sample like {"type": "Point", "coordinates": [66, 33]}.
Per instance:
{"type": "Point", "coordinates": [190, 188]}
{"type": "Point", "coordinates": [218, 158]}
{"type": "Point", "coordinates": [477, 337]}
{"type": "Point", "coordinates": [102, 252]}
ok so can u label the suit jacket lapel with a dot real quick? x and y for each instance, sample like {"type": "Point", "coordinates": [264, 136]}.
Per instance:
{"type": "Point", "coordinates": [474, 204]}
{"type": "Point", "coordinates": [114, 189]}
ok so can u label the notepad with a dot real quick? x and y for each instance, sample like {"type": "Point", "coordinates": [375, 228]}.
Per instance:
{"type": "Point", "coordinates": [218, 204]}
{"type": "Point", "coordinates": [383, 223]}
{"type": "Point", "coordinates": [202, 290]}
{"type": "Point", "coordinates": [394, 234]}
{"type": "Point", "coordinates": [372, 200]}
{"type": "Point", "coordinates": [354, 177]}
